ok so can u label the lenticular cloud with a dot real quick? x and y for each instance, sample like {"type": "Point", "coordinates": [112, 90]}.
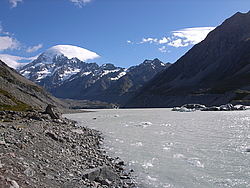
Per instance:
{"type": "Point", "coordinates": [73, 51]}
{"type": "Point", "coordinates": [192, 35]}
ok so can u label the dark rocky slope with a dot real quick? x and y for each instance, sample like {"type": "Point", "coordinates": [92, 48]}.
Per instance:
{"type": "Point", "coordinates": [18, 93]}
{"type": "Point", "coordinates": [213, 72]}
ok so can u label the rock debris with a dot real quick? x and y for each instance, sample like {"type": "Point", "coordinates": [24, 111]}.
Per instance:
{"type": "Point", "coordinates": [38, 151]}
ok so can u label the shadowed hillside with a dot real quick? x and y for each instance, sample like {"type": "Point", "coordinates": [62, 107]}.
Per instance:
{"type": "Point", "coordinates": [19, 94]}
{"type": "Point", "coordinates": [215, 71]}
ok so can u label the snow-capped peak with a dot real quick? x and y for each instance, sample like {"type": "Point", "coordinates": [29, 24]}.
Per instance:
{"type": "Point", "coordinates": [70, 52]}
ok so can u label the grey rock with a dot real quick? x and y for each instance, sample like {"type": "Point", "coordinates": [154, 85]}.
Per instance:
{"type": "Point", "coordinates": [29, 172]}
{"type": "Point", "coordinates": [106, 182]}
{"type": "Point", "coordinates": [2, 142]}
{"type": "Point", "coordinates": [100, 172]}
{"type": "Point", "coordinates": [53, 112]}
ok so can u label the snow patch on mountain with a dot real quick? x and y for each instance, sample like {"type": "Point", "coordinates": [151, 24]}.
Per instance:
{"type": "Point", "coordinates": [68, 73]}
{"type": "Point", "coordinates": [121, 74]}
{"type": "Point", "coordinates": [105, 72]}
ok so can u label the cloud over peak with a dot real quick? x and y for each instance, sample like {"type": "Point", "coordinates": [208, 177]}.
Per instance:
{"type": "Point", "coordinates": [71, 52]}
{"type": "Point", "coordinates": [191, 36]}
{"type": "Point", "coordinates": [179, 38]}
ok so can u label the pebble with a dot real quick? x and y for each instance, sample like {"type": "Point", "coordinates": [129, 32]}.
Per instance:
{"type": "Point", "coordinates": [29, 172]}
{"type": "Point", "coordinates": [2, 142]}
{"type": "Point", "coordinates": [14, 184]}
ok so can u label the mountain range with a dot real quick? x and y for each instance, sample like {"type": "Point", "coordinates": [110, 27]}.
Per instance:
{"type": "Point", "coordinates": [69, 77]}
{"type": "Point", "coordinates": [215, 71]}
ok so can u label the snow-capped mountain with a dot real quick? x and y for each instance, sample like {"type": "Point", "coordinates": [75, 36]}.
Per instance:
{"type": "Point", "coordinates": [58, 64]}
{"type": "Point", "coordinates": [112, 85]}
{"type": "Point", "coordinates": [62, 70]}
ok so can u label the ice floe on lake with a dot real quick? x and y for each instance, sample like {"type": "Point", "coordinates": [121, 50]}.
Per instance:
{"type": "Point", "coordinates": [196, 162]}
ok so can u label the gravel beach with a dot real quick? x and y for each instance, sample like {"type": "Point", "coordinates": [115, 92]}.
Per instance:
{"type": "Point", "coordinates": [38, 151]}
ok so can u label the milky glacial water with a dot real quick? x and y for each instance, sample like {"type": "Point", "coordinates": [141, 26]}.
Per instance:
{"type": "Point", "coordinates": [177, 149]}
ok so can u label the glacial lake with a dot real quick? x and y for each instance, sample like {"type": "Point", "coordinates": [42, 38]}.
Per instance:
{"type": "Point", "coordinates": [177, 149]}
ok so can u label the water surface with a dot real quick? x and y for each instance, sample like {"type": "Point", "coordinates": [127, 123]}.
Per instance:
{"type": "Point", "coordinates": [177, 149]}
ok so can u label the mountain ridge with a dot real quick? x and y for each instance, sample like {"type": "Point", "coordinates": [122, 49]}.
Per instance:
{"type": "Point", "coordinates": [202, 75]}
{"type": "Point", "coordinates": [20, 94]}
{"type": "Point", "coordinates": [75, 79]}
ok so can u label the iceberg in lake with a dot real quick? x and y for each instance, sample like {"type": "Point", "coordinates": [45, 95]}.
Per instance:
{"type": "Point", "coordinates": [195, 162]}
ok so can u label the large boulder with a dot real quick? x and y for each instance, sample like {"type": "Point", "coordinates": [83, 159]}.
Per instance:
{"type": "Point", "coordinates": [53, 112]}
{"type": "Point", "coordinates": [98, 173]}
{"type": "Point", "coordinates": [227, 107]}
{"type": "Point", "coordinates": [194, 106]}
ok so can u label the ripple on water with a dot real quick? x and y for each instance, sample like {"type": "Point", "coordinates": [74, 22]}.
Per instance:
{"type": "Point", "coordinates": [210, 149]}
{"type": "Point", "coordinates": [150, 163]}
{"type": "Point", "coordinates": [178, 155]}
{"type": "Point", "coordinates": [138, 144]}
{"type": "Point", "coordinates": [144, 124]}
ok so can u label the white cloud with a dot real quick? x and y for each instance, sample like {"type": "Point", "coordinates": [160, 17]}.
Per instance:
{"type": "Point", "coordinates": [73, 51]}
{"type": "Point", "coordinates": [191, 36]}
{"type": "Point", "coordinates": [150, 40]}
{"type": "Point", "coordinates": [177, 43]}
{"type": "Point", "coordinates": [179, 38]}
{"type": "Point", "coordinates": [80, 3]}
{"type": "Point", "coordinates": [162, 49]}
{"type": "Point", "coordinates": [14, 3]}
{"type": "Point", "coordinates": [34, 48]}
{"type": "Point", "coordinates": [14, 61]}
{"type": "Point", "coordinates": [163, 40]}
{"type": "Point", "coordinates": [129, 42]}
{"type": "Point", "coordinates": [8, 43]}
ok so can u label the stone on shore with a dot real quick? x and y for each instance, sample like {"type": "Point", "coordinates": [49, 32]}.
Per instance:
{"type": "Point", "coordinates": [39, 151]}
{"type": "Point", "coordinates": [53, 112]}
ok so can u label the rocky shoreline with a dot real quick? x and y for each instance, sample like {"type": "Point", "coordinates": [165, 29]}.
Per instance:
{"type": "Point", "coordinates": [224, 107]}
{"type": "Point", "coordinates": [38, 151]}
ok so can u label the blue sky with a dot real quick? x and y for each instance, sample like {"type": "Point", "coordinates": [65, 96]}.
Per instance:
{"type": "Point", "coordinates": [123, 32]}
